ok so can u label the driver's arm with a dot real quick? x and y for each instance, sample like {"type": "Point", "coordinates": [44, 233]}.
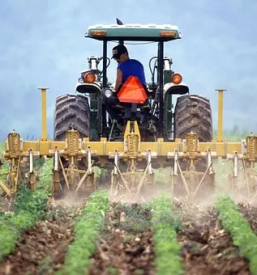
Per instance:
{"type": "Point", "coordinates": [118, 79]}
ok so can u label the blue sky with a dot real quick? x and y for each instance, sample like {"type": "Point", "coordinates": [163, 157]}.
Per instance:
{"type": "Point", "coordinates": [42, 44]}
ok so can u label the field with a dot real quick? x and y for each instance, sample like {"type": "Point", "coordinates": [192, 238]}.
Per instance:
{"type": "Point", "coordinates": [96, 235]}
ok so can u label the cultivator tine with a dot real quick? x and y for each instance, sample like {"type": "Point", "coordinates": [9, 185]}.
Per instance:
{"type": "Point", "coordinates": [116, 161]}
{"type": "Point", "coordinates": [124, 181]}
{"type": "Point", "coordinates": [235, 173]}
{"type": "Point", "coordinates": [5, 188]}
{"type": "Point", "coordinates": [201, 181]}
{"type": "Point", "coordinates": [55, 172]}
{"type": "Point", "coordinates": [209, 162]}
{"type": "Point", "coordinates": [235, 166]}
{"type": "Point", "coordinates": [183, 179]}
{"type": "Point", "coordinates": [89, 161]}
{"type": "Point", "coordinates": [32, 176]}
{"type": "Point", "coordinates": [114, 180]}
{"type": "Point", "coordinates": [16, 177]}
{"type": "Point", "coordinates": [141, 182]}
{"type": "Point", "coordinates": [64, 174]}
{"type": "Point", "coordinates": [89, 171]}
{"type": "Point", "coordinates": [30, 161]}
{"type": "Point", "coordinates": [56, 160]}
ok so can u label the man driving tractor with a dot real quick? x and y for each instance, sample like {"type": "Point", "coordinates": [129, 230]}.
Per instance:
{"type": "Point", "coordinates": [126, 67]}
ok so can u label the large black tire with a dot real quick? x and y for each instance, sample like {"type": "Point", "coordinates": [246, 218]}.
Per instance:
{"type": "Point", "coordinates": [71, 111]}
{"type": "Point", "coordinates": [193, 113]}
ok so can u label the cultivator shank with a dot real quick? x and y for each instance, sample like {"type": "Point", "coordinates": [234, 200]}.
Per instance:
{"type": "Point", "coordinates": [15, 154]}
{"type": "Point", "coordinates": [133, 179]}
{"type": "Point", "coordinates": [190, 156]}
{"type": "Point", "coordinates": [73, 154]}
{"type": "Point", "coordinates": [248, 158]}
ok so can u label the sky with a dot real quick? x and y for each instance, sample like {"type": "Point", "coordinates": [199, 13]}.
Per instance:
{"type": "Point", "coordinates": [42, 44]}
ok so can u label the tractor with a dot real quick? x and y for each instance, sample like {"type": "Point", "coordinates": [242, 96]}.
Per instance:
{"type": "Point", "coordinates": [86, 113]}
{"type": "Point", "coordinates": [177, 133]}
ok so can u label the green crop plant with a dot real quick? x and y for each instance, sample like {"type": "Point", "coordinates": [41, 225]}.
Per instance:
{"type": "Point", "coordinates": [138, 217]}
{"type": "Point", "coordinates": [92, 221]}
{"type": "Point", "coordinates": [166, 246]}
{"type": "Point", "coordinates": [234, 223]}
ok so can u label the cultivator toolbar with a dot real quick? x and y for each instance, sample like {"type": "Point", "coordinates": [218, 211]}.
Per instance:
{"type": "Point", "coordinates": [182, 156]}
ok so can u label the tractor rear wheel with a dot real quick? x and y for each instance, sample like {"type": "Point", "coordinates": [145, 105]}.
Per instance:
{"type": "Point", "coordinates": [193, 114]}
{"type": "Point", "coordinates": [71, 112]}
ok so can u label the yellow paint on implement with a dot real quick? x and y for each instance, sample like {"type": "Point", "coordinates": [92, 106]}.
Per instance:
{"type": "Point", "coordinates": [220, 114]}
{"type": "Point", "coordinates": [5, 188]}
{"type": "Point", "coordinates": [106, 149]}
{"type": "Point", "coordinates": [43, 106]}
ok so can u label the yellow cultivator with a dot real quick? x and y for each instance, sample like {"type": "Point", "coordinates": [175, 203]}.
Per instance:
{"type": "Point", "coordinates": [85, 137]}
{"type": "Point", "coordinates": [132, 151]}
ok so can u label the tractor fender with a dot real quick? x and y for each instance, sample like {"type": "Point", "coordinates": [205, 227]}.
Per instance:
{"type": "Point", "coordinates": [88, 87]}
{"type": "Point", "coordinates": [175, 89]}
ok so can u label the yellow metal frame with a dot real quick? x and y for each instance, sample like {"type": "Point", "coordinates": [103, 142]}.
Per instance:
{"type": "Point", "coordinates": [73, 149]}
{"type": "Point", "coordinates": [220, 114]}
{"type": "Point", "coordinates": [104, 148]}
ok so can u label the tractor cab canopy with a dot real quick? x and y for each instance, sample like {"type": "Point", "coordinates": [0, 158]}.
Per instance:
{"type": "Point", "coordinates": [134, 32]}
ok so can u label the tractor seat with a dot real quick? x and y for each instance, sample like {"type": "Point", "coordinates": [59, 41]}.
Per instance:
{"type": "Point", "coordinates": [118, 106]}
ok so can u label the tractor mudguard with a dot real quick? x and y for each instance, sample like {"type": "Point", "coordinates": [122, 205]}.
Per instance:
{"type": "Point", "coordinates": [89, 88]}
{"type": "Point", "coordinates": [175, 89]}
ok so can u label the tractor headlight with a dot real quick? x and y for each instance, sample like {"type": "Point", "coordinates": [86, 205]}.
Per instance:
{"type": "Point", "coordinates": [108, 93]}
{"type": "Point", "coordinates": [89, 77]}
{"type": "Point", "coordinates": [176, 78]}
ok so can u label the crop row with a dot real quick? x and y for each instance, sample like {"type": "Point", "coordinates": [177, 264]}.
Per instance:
{"type": "Point", "coordinates": [165, 225]}
{"type": "Point", "coordinates": [91, 222]}
{"type": "Point", "coordinates": [234, 223]}
{"type": "Point", "coordinates": [29, 207]}
{"type": "Point", "coordinates": [167, 248]}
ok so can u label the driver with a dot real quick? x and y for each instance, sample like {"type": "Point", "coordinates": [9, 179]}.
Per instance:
{"type": "Point", "coordinates": [126, 67]}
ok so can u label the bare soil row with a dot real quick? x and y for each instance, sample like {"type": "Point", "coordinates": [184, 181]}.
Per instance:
{"type": "Point", "coordinates": [126, 246]}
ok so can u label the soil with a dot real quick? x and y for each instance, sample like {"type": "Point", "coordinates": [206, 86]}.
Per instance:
{"type": "Point", "coordinates": [6, 204]}
{"type": "Point", "coordinates": [249, 212]}
{"type": "Point", "coordinates": [42, 249]}
{"type": "Point", "coordinates": [206, 247]}
{"type": "Point", "coordinates": [126, 244]}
